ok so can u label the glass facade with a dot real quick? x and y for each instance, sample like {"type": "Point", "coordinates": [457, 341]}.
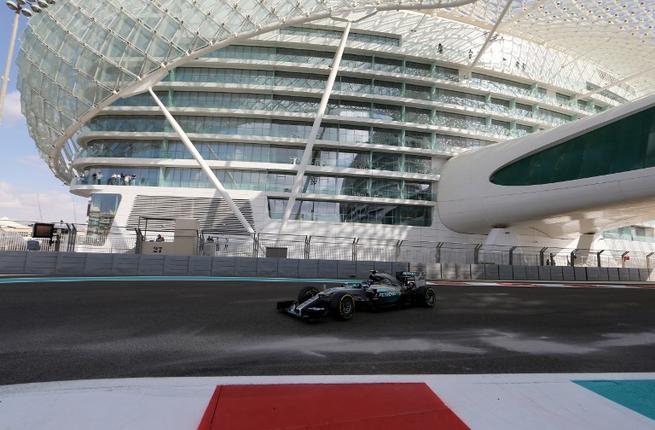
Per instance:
{"type": "Point", "coordinates": [256, 152]}
{"type": "Point", "coordinates": [210, 150]}
{"type": "Point", "coordinates": [345, 133]}
{"type": "Point", "coordinates": [262, 112]}
{"type": "Point", "coordinates": [256, 180]}
{"type": "Point", "coordinates": [353, 85]}
{"type": "Point", "coordinates": [78, 55]}
{"type": "Point", "coordinates": [315, 210]}
{"type": "Point", "coordinates": [627, 144]}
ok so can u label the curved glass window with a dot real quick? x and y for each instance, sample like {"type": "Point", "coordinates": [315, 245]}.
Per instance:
{"type": "Point", "coordinates": [418, 92]}
{"type": "Point", "coordinates": [456, 120]}
{"type": "Point", "coordinates": [349, 109]}
{"type": "Point", "coordinates": [522, 130]}
{"type": "Point", "coordinates": [354, 61]}
{"type": "Point", "coordinates": [368, 213]}
{"type": "Point", "coordinates": [324, 58]}
{"type": "Point", "coordinates": [346, 84]}
{"type": "Point", "coordinates": [624, 145]}
{"type": "Point", "coordinates": [366, 187]}
{"type": "Point", "coordinates": [256, 152]}
{"type": "Point", "coordinates": [420, 116]}
{"type": "Point", "coordinates": [499, 105]}
{"type": "Point", "coordinates": [383, 161]}
{"type": "Point", "coordinates": [416, 139]}
{"type": "Point", "coordinates": [225, 76]}
{"type": "Point", "coordinates": [384, 88]}
{"type": "Point", "coordinates": [416, 164]}
{"type": "Point", "coordinates": [500, 84]}
{"type": "Point", "coordinates": [420, 69]}
{"type": "Point", "coordinates": [122, 149]}
{"type": "Point", "coordinates": [197, 99]}
{"type": "Point", "coordinates": [449, 143]}
{"type": "Point", "coordinates": [102, 210]}
{"type": "Point", "coordinates": [332, 158]}
{"type": "Point", "coordinates": [386, 136]}
{"type": "Point", "coordinates": [119, 175]}
{"type": "Point", "coordinates": [554, 117]}
{"type": "Point", "coordinates": [256, 180]}
{"type": "Point", "coordinates": [461, 99]}
{"type": "Point", "coordinates": [281, 103]}
{"type": "Point", "coordinates": [523, 110]}
{"type": "Point", "coordinates": [284, 129]}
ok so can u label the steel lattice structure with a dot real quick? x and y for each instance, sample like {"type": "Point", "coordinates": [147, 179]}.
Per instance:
{"type": "Point", "coordinates": [79, 56]}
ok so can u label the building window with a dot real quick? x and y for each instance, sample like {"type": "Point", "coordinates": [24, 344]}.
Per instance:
{"type": "Point", "coordinates": [352, 212]}
{"type": "Point", "coordinates": [102, 210]}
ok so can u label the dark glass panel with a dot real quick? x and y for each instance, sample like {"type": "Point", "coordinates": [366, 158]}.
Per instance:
{"type": "Point", "coordinates": [624, 145]}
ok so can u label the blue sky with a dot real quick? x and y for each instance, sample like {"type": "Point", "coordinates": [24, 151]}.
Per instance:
{"type": "Point", "coordinates": [29, 191]}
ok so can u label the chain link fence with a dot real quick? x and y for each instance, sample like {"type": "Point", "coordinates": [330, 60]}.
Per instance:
{"type": "Point", "coordinates": [122, 240]}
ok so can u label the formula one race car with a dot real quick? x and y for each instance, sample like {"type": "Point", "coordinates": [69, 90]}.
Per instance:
{"type": "Point", "coordinates": [380, 291]}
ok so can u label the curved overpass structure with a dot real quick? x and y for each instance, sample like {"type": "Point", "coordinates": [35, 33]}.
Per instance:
{"type": "Point", "coordinates": [594, 174]}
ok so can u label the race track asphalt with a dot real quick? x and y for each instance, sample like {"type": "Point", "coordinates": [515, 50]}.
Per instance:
{"type": "Point", "coordinates": [135, 329]}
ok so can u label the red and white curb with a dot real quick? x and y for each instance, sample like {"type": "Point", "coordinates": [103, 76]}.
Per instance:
{"type": "Point", "coordinates": [517, 401]}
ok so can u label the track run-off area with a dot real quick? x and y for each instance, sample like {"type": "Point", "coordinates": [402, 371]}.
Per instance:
{"type": "Point", "coordinates": [84, 329]}
{"type": "Point", "coordinates": [207, 353]}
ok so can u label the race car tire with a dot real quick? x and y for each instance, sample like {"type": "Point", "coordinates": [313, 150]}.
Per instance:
{"type": "Point", "coordinates": [342, 306]}
{"type": "Point", "coordinates": [306, 293]}
{"type": "Point", "coordinates": [425, 297]}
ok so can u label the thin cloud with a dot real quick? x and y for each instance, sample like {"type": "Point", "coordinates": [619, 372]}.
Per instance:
{"type": "Point", "coordinates": [55, 205]}
{"type": "Point", "coordinates": [12, 113]}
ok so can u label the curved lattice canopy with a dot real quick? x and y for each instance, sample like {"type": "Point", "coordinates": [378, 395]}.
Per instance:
{"type": "Point", "coordinates": [617, 37]}
{"type": "Point", "coordinates": [78, 56]}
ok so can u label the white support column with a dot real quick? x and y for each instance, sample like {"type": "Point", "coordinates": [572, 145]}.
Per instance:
{"type": "Point", "coordinates": [202, 163]}
{"type": "Point", "coordinates": [10, 57]}
{"type": "Point", "coordinates": [307, 154]}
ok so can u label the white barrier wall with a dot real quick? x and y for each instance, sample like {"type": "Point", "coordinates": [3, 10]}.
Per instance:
{"type": "Point", "coordinates": [501, 272]}
{"type": "Point", "coordinates": [91, 264]}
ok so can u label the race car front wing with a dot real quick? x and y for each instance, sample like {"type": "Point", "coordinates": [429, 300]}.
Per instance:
{"type": "Point", "coordinates": [310, 308]}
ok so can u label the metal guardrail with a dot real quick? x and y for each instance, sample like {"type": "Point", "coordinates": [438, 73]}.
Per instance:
{"type": "Point", "coordinates": [124, 240]}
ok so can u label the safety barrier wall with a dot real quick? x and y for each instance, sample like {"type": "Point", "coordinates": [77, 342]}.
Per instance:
{"type": "Point", "coordinates": [124, 241]}
{"type": "Point", "coordinates": [92, 264]}
{"type": "Point", "coordinates": [435, 271]}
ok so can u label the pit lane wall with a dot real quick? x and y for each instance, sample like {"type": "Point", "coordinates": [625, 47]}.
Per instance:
{"type": "Point", "coordinates": [500, 272]}
{"type": "Point", "coordinates": [92, 264]}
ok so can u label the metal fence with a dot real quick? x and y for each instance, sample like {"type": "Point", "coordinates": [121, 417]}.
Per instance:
{"type": "Point", "coordinates": [123, 240]}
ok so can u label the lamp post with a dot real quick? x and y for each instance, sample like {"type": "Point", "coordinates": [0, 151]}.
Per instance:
{"type": "Point", "coordinates": [19, 7]}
